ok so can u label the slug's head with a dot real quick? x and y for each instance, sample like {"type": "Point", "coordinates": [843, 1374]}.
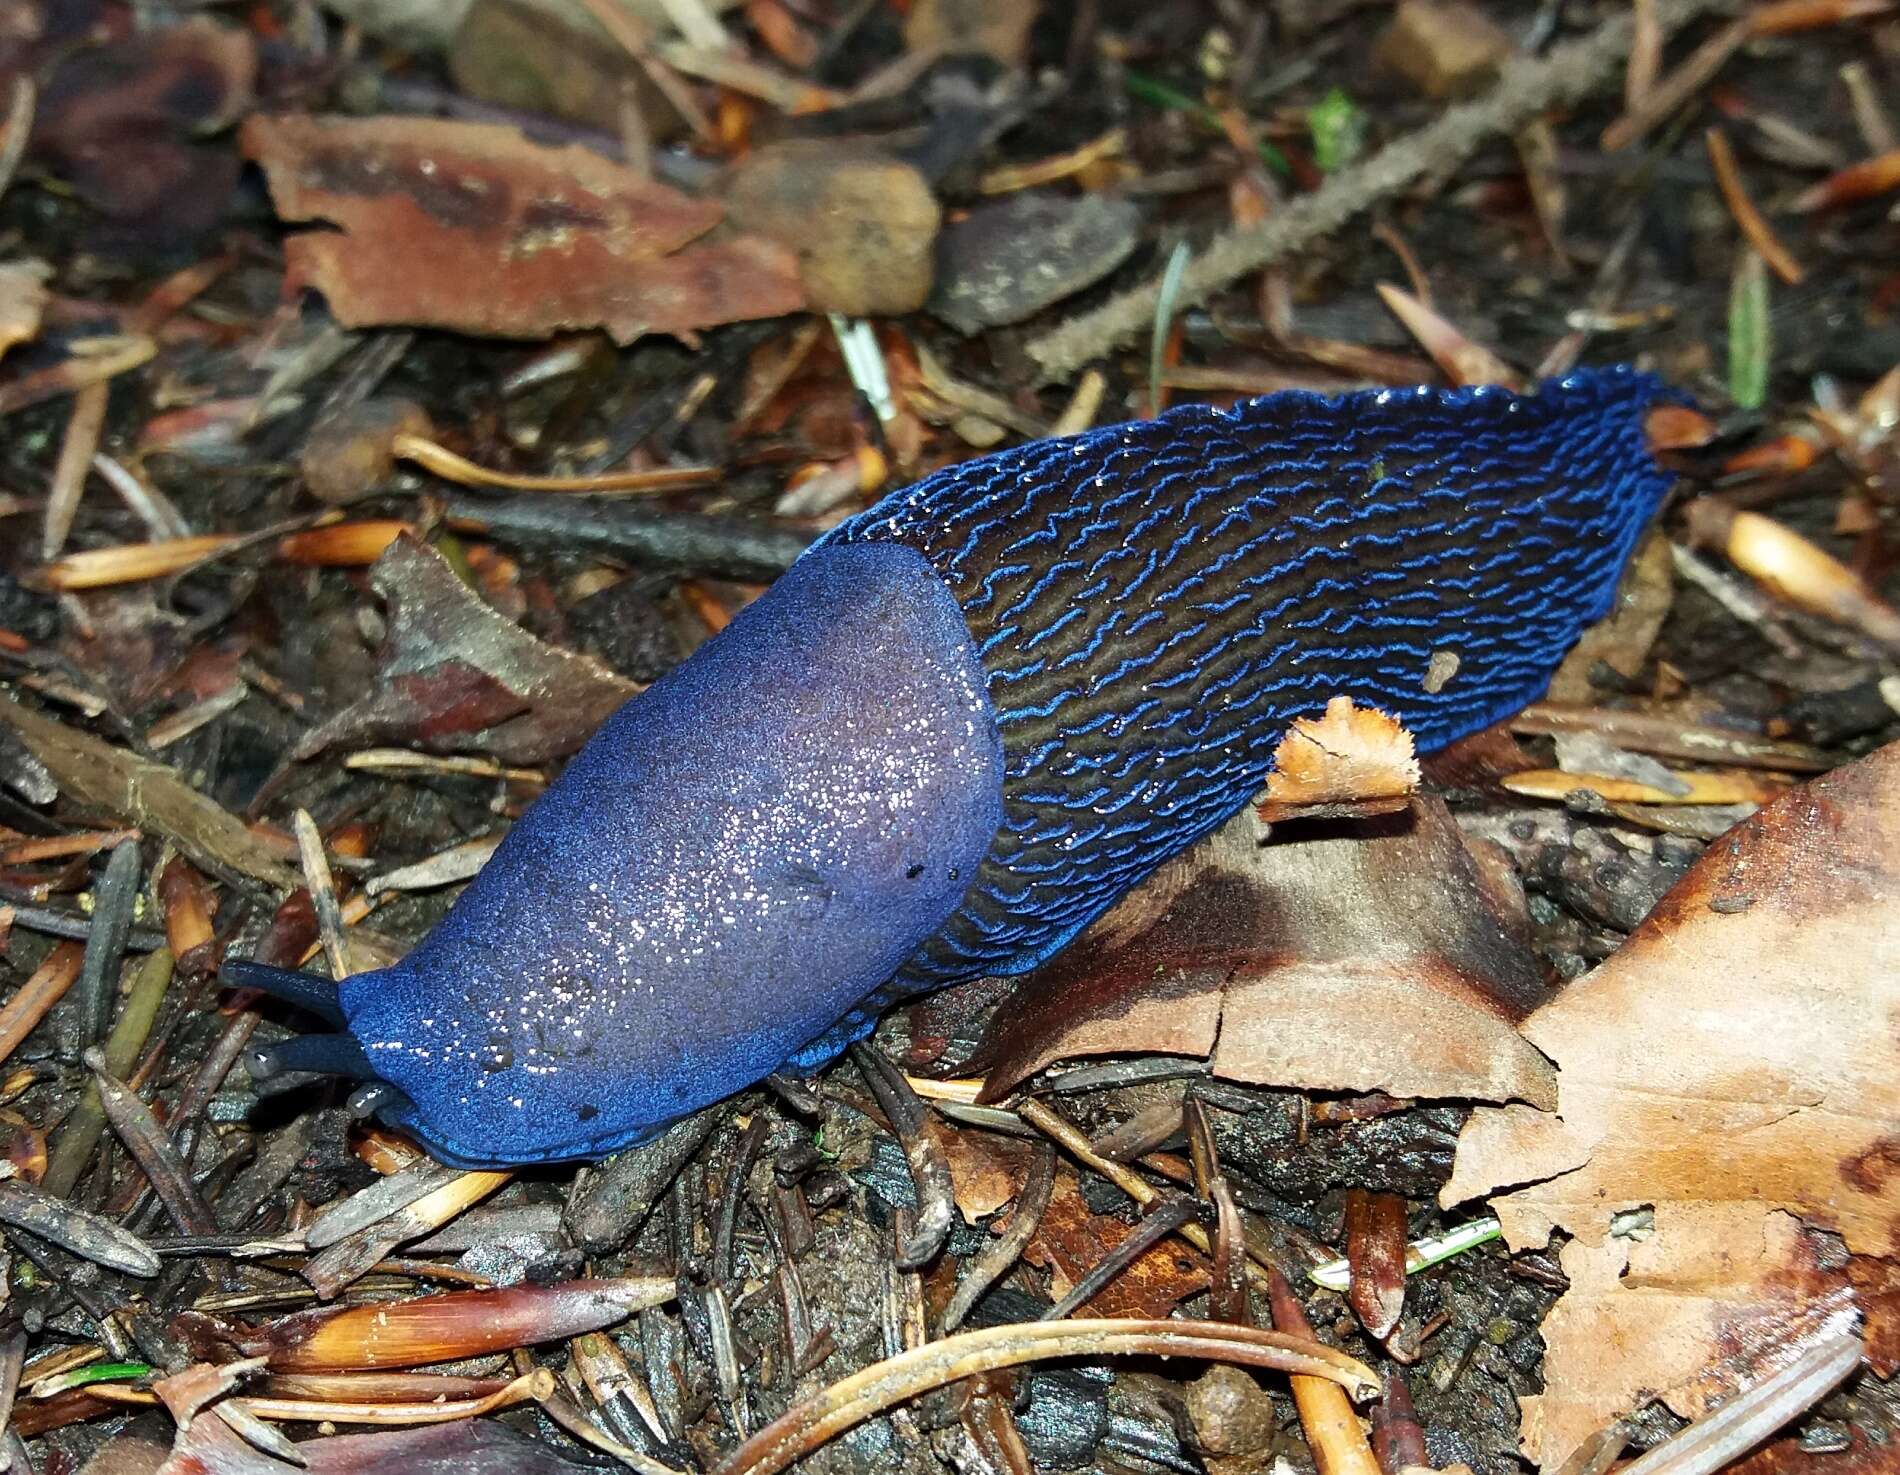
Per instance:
{"type": "Point", "coordinates": [434, 1059]}
{"type": "Point", "coordinates": [336, 1053]}
{"type": "Point", "coordinates": [735, 861]}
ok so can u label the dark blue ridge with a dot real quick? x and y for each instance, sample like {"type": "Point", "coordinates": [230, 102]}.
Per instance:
{"type": "Point", "coordinates": [1154, 602]}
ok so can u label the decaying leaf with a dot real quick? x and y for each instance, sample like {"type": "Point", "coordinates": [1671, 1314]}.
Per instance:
{"type": "Point", "coordinates": [1737, 1057]}
{"type": "Point", "coordinates": [987, 1170]}
{"type": "Point", "coordinates": [457, 677]}
{"type": "Point", "coordinates": [1380, 957]}
{"type": "Point", "coordinates": [121, 122]}
{"type": "Point", "coordinates": [472, 227]}
{"type": "Point", "coordinates": [1071, 1238]}
{"type": "Point", "coordinates": [154, 796]}
{"type": "Point", "coordinates": [187, 1392]}
{"type": "Point", "coordinates": [469, 1447]}
{"type": "Point", "coordinates": [1350, 761]}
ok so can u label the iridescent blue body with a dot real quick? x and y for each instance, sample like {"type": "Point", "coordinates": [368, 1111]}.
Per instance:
{"type": "Point", "coordinates": [970, 718]}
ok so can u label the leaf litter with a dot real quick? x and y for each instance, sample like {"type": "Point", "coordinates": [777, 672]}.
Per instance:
{"type": "Point", "coordinates": [1730, 1071]}
{"type": "Point", "coordinates": [471, 226]}
{"type": "Point", "coordinates": [1269, 1052]}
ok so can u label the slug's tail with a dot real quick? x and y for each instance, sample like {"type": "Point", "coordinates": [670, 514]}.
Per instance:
{"type": "Point", "coordinates": [1155, 602]}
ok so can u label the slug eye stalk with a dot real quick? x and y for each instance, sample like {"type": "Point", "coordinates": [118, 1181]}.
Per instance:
{"type": "Point", "coordinates": [326, 1055]}
{"type": "Point", "coordinates": [315, 995]}
{"type": "Point", "coordinates": [336, 1054]}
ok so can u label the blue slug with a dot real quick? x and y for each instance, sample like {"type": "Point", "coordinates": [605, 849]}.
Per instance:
{"type": "Point", "coordinates": [965, 722]}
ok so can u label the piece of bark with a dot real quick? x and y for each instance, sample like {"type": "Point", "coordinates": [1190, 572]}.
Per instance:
{"type": "Point", "coordinates": [152, 795]}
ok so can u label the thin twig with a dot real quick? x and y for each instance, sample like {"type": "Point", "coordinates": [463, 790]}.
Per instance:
{"type": "Point", "coordinates": [1678, 87]}
{"type": "Point", "coordinates": [76, 450]}
{"type": "Point", "coordinates": [847, 1403]}
{"type": "Point", "coordinates": [921, 1233]}
{"type": "Point", "coordinates": [1527, 88]}
{"type": "Point", "coordinates": [1125, 1178]}
{"type": "Point", "coordinates": [316, 870]}
{"type": "Point", "coordinates": [1716, 1439]}
{"type": "Point", "coordinates": [998, 1256]}
{"type": "Point", "coordinates": [19, 127]}
{"type": "Point", "coordinates": [1728, 177]}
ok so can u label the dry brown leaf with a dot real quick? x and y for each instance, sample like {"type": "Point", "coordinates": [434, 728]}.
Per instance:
{"type": "Point", "coordinates": [1349, 761]}
{"type": "Point", "coordinates": [1477, 761]}
{"type": "Point", "coordinates": [1463, 360]}
{"type": "Point", "coordinates": [1739, 1055]}
{"type": "Point", "coordinates": [986, 1170]}
{"type": "Point", "coordinates": [22, 300]}
{"type": "Point", "coordinates": [1794, 569]}
{"type": "Point", "coordinates": [1734, 786]}
{"type": "Point", "coordinates": [1381, 957]}
{"type": "Point", "coordinates": [1716, 1299]}
{"type": "Point", "coordinates": [472, 227]}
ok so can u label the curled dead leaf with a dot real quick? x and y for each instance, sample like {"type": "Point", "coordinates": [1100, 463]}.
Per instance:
{"type": "Point", "coordinates": [455, 676]}
{"type": "Point", "coordinates": [1380, 956]}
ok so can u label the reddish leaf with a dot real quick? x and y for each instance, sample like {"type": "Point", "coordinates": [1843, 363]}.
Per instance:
{"type": "Point", "coordinates": [457, 677]}
{"type": "Point", "coordinates": [1375, 1249]}
{"type": "Point", "coordinates": [424, 1329]}
{"type": "Point", "coordinates": [472, 227]}
{"type": "Point", "coordinates": [1071, 1238]}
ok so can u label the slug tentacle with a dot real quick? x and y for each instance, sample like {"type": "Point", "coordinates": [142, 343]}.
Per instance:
{"type": "Point", "coordinates": [328, 1055]}
{"type": "Point", "coordinates": [312, 994]}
